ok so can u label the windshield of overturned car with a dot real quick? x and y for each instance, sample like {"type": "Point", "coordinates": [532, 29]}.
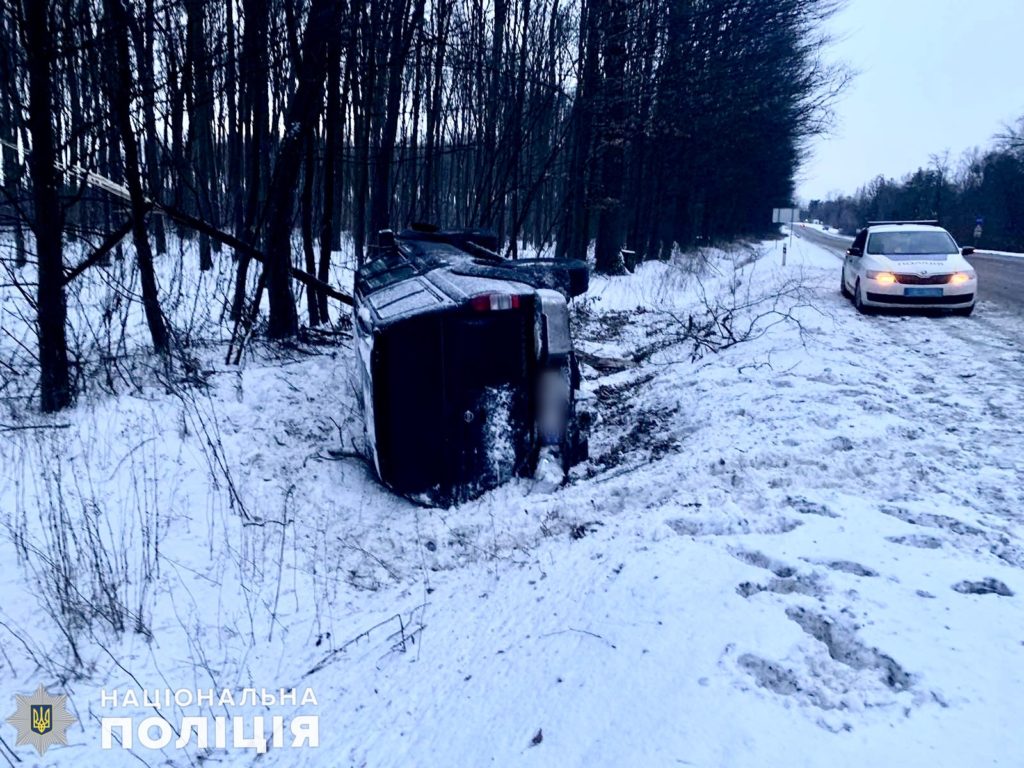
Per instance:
{"type": "Point", "coordinates": [910, 243]}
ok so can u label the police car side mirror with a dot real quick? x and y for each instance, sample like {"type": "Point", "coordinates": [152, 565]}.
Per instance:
{"type": "Point", "coordinates": [854, 251]}
{"type": "Point", "coordinates": [967, 251]}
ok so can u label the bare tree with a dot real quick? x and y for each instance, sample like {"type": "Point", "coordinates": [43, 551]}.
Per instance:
{"type": "Point", "coordinates": [303, 109]}
{"type": "Point", "coordinates": [120, 85]}
{"type": "Point", "coordinates": [54, 380]}
{"type": "Point", "coordinates": [639, 124]}
{"type": "Point", "coordinates": [611, 139]}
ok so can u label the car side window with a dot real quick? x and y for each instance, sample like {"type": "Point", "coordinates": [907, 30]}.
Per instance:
{"type": "Point", "coordinates": [860, 239]}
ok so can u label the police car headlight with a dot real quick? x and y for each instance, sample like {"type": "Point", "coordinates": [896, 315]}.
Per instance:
{"type": "Point", "coordinates": [883, 278]}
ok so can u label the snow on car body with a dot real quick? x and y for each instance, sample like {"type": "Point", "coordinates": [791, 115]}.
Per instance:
{"type": "Point", "coordinates": [467, 363]}
{"type": "Point", "coordinates": [909, 265]}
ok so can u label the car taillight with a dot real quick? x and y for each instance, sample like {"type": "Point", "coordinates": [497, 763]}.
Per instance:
{"type": "Point", "coordinates": [494, 301]}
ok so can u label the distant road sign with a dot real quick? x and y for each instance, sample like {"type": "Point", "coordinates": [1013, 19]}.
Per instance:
{"type": "Point", "coordinates": [980, 221]}
{"type": "Point", "coordinates": [977, 232]}
{"type": "Point", "coordinates": [785, 215]}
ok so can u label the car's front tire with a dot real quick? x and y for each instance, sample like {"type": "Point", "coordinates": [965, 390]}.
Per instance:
{"type": "Point", "coordinates": [858, 300]}
{"type": "Point", "coordinates": [842, 286]}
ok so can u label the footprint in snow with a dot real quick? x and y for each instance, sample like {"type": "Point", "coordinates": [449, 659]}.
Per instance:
{"type": "Point", "coordinates": [929, 520]}
{"type": "Point", "coordinates": [774, 677]}
{"type": "Point", "coordinates": [761, 560]}
{"type": "Point", "coordinates": [805, 507]}
{"type": "Point", "coordinates": [840, 638]}
{"type": "Point", "coordinates": [728, 526]}
{"type": "Point", "coordinates": [916, 540]}
{"type": "Point", "coordinates": [986, 586]}
{"type": "Point", "coordinates": [841, 443]}
{"type": "Point", "coordinates": [846, 566]}
{"type": "Point", "coordinates": [796, 585]}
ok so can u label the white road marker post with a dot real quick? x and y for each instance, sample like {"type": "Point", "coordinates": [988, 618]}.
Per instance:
{"type": "Point", "coordinates": [790, 239]}
{"type": "Point", "coordinates": [786, 216]}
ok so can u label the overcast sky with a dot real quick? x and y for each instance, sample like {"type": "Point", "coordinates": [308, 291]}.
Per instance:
{"type": "Point", "coordinates": [934, 75]}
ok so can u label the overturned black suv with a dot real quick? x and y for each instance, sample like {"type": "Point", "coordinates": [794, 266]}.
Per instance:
{"type": "Point", "coordinates": [467, 363]}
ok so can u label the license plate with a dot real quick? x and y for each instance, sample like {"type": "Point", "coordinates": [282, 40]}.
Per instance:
{"type": "Point", "coordinates": [923, 292]}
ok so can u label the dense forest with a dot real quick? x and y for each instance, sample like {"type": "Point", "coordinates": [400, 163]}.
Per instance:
{"type": "Point", "coordinates": [985, 188]}
{"type": "Point", "coordinates": [277, 132]}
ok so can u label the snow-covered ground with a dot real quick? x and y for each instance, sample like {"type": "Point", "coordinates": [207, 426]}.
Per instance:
{"type": "Point", "coordinates": [786, 553]}
{"type": "Point", "coordinates": [1001, 253]}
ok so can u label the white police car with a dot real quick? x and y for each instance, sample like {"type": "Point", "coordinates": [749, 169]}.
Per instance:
{"type": "Point", "coordinates": [909, 264]}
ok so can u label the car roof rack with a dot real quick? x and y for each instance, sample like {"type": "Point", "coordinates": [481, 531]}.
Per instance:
{"type": "Point", "coordinates": [931, 222]}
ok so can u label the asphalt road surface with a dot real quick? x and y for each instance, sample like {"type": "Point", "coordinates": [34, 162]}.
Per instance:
{"type": "Point", "coordinates": [1000, 278]}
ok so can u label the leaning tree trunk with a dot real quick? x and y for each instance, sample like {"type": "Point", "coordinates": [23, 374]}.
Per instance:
{"type": "Point", "coordinates": [120, 83]}
{"type": "Point", "coordinates": [54, 382]}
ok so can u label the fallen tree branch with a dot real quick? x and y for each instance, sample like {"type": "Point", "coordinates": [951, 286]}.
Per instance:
{"type": "Point", "coordinates": [108, 244]}
{"type": "Point", "coordinates": [242, 247]}
{"type": "Point", "coordinates": [606, 364]}
{"type": "Point", "coordinates": [20, 427]}
{"type": "Point", "coordinates": [101, 182]}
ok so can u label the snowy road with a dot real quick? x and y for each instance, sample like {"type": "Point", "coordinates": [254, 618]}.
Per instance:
{"type": "Point", "coordinates": [831, 242]}
{"type": "Point", "coordinates": [1002, 279]}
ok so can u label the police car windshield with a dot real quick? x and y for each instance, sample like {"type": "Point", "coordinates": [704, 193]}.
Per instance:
{"type": "Point", "coordinates": [910, 243]}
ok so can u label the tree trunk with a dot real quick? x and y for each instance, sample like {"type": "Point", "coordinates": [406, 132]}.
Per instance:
{"type": "Point", "coordinates": [306, 213]}
{"type": "Point", "coordinates": [575, 235]}
{"type": "Point", "coordinates": [254, 84]}
{"type": "Point", "coordinates": [329, 221]}
{"type": "Point", "coordinates": [54, 381]}
{"type": "Point", "coordinates": [441, 16]}
{"type": "Point", "coordinates": [200, 126]}
{"type": "Point", "coordinates": [362, 90]}
{"type": "Point", "coordinates": [492, 111]}
{"type": "Point", "coordinates": [13, 172]}
{"type": "Point", "coordinates": [401, 40]}
{"type": "Point", "coordinates": [234, 185]}
{"type": "Point", "coordinates": [120, 83]}
{"type": "Point", "coordinates": [302, 111]}
{"type": "Point", "coordinates": [144, 44]}
{"type": "Point", "coordinates": [611, 149]}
